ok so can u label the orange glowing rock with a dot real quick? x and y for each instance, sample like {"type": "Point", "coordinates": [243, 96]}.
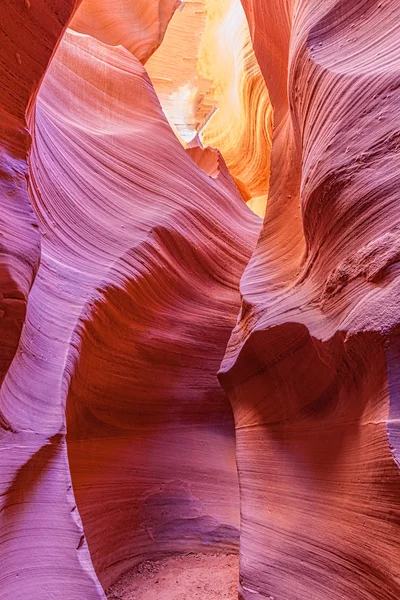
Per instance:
{"type": "Point", "coordinates": [225, 101]}
{"type": "Point", "coordinates": [137, 25]}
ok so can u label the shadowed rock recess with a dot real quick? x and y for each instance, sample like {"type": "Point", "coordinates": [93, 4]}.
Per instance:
{"type": "Point", "coordinates": [184, 380]}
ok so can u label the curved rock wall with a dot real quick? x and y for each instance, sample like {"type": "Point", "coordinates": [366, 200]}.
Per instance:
{"type": "Point", "coordinates": [124, 224]}
{"type": "Point", "coordinates": [137, 25]}
{"type": "Point", "coordinates": [125, 262]}
{"type": "Point", "coordinates": [42, 550]}
{"type": "Point", "coordinates": [141, 257]}
{"type": "Point", "coordinates": [308, 363]}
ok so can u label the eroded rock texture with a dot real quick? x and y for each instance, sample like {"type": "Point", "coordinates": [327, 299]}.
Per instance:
{"type": "Point", "coordinates": [38, 532]}
{"type": "Point", "coordinates": [142, 247]}
{"type": "Point", "coordinates": [146, 263]}
{"type": "Point", "coordinates": [131, 266]}
{"type": "Point", "coordinates": [310, 368]}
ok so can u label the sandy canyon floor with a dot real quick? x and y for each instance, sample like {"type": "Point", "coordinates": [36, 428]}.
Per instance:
{"type": "Point", "coordinates": [183, 577]}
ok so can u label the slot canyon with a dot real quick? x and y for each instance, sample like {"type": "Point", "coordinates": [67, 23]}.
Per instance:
{"type": "Point", "coordinates": [199, 300]}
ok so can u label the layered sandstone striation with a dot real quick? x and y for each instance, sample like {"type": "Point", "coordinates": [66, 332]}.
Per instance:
{"type": "Point", "coordinates": [134, 145]}
{"type": "Point", "coordinates": [39, 534]}
{"type": "Point", "coordinates": [137, 25]}
{"type": "Point", "coordinates": [128, 317]}
{"type": "Point", "coordinates": [311, 365]}
{"type": "Point", "coordinates": [146, 263]}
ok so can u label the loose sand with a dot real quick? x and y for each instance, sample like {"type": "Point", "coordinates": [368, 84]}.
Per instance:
{"type": "Point", "coordinates": [182, 577]}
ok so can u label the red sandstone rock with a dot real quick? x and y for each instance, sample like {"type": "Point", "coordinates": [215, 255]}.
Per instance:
{"type": "Point", "coordinates": [129, 315]}
{"type": "Point", "coordinates": [39, 533]}
{"type": "Point", "coordinates": [137, 25]}
{"type": "Point", "coordinates": [119, 289]}
{"type": "Point", "coordinates": [307, 366]}
{"type": "Point", "coordinates": [146, 263]}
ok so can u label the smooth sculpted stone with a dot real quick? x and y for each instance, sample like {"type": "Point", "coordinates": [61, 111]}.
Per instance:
{"type": "Point", "coordinates": [142, 252]}
{"type": "Point", "coordinates": [43, 553]}
{"type": "Point", "coordinates": [312, 366]}
{"type": "Point", "coordinates": [133, 275]}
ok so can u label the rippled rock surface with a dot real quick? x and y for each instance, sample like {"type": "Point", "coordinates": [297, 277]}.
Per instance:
{"type": "Point", "coordinates": [177, 375]}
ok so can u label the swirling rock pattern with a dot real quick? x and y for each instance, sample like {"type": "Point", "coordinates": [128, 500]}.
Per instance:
{"type": "Point", "coordinates": [141, 254]}
{"type": "Point", "coordinates": [311, 368]}
{"type": "Point", "coordinates": [38, 532]}
{"type": "Point", "coordinates": [156, 295]}
{"type": "Point", "coordinates": [126, 259]}
{"type": "Point", "coordinates": [137, 25]}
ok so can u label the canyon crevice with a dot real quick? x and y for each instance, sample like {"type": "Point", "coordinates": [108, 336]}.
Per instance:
{"type": "Point", "coordinates": [199, 294]}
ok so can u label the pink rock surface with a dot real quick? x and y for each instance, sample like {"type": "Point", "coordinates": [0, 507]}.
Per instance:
{"type": "Point", "coordinates": [130, 267]}
{"type": "Point", "coordinates": [307, 365]}
{"type": "Point", "coordinates": [39, 533]}
{"type": "Point", "coordinates": [141, 254]}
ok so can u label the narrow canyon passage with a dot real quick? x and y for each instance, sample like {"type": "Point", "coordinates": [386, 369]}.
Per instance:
{"type": "Point", "coordinates": [168, 447]}
{"type": "Point", "coordinates": [156, 475]}
{"type": "Point", "coordinates": [199, 300]}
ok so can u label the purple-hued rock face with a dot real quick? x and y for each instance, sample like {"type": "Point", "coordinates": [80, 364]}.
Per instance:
{"type": "Point", "coordinates": [175, 375]}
